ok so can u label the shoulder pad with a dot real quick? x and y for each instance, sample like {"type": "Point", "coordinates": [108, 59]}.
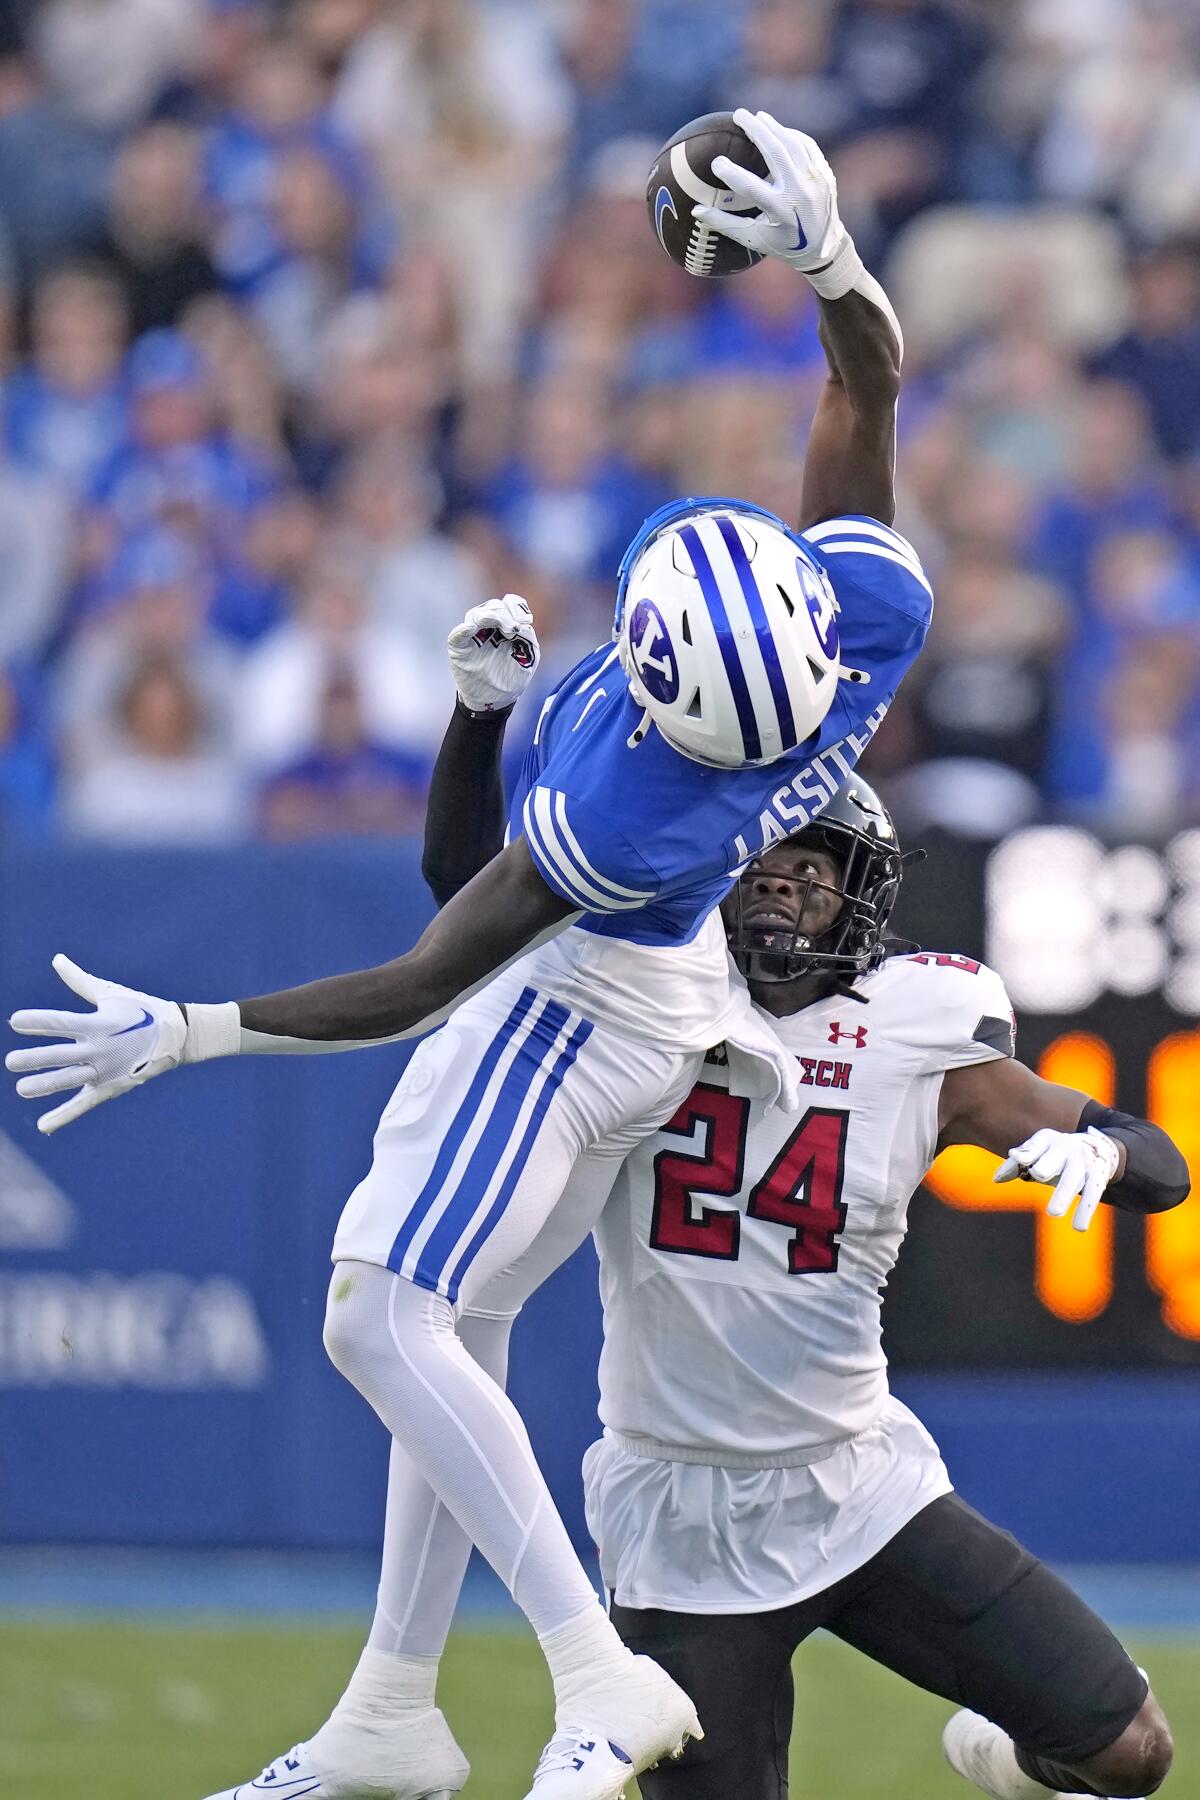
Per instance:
{"type": "Point", "coordinates": [874, 557]}
{"type": "Point", "coordinates": [953, 1007]}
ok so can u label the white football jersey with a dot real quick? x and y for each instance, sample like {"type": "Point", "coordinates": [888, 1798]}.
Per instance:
{"type": "Point", "coordinates": [743, 1251]}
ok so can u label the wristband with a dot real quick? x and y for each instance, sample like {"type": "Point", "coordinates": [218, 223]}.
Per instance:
{"type": "Point", "coordinates": [485, 712]}
{"type": "Point", "coordinates": [838, 276]}
{"type": "Point", "coordinates": [846, 274]}
{"type": "Point", "coordinates": [211, 1031]}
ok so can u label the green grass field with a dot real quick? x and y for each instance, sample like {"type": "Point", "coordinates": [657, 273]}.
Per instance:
{"type": "Point", "coordinates": [122, 1711]}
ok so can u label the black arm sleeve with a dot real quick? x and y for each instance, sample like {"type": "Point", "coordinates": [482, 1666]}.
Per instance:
{"type": "Point", "coordinates": [1156, 1175]}
{"type": "Point", "coordinates": [464, 822]}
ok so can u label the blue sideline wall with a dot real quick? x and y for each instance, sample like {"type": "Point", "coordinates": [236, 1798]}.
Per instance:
{"type": "Point", "coordinates": [163, 1264]}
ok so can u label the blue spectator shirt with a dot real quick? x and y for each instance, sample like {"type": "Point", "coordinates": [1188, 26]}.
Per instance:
{"type": "Point", "coordinates": [577, 531]}
{"type": "Point", "coordinates": [67, 436]}
{"type": "Point", "coordinates": [214, 481]}
{"type": "Point", "coordinates": [241, 165]}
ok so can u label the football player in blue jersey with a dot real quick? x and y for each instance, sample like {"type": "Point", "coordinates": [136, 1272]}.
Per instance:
{"type": "Point", "coordinates": [751, 665]}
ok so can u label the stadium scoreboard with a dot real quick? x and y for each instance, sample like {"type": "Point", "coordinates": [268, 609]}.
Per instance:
{"type": "Point", "coordinates": [1100, 951]}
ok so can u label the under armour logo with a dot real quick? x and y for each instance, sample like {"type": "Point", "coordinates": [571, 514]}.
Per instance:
{"type": "Point", "coordinates": [838, 1032]}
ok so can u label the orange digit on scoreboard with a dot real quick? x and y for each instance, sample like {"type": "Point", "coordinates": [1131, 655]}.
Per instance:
{"type": "Point", "coordinates": [1073, 1270]}
{"type": "Point", "coordinates": [1173, 1238]}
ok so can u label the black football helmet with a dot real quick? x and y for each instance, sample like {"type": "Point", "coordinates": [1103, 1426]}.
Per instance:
{"type": "Point", "coordinates": [857, 829]}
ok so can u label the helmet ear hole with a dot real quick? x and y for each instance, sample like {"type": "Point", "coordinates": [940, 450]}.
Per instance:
{"type": "Point", "coordinates": [787, 599]}
{"type": "Point", "coordinates": [815, 670]}
{"type": "Point", "coordinates": [694, 709]}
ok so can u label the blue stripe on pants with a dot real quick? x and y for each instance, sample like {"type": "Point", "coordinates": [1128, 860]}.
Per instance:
{"type": "Point", "coordinates": [456, 1207]}
{"type": "Point", "coordinates": [516, 1168]}
{"type": "Point", "coordinates": [452, 1141]}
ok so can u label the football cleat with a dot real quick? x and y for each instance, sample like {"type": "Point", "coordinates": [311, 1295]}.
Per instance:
{"type": "Point", "coordinates": [417, 1761]}
{"type": "Point", "coordinates": [634, 1722]}
{"type": "Point", "coordinates": [982, 1753]}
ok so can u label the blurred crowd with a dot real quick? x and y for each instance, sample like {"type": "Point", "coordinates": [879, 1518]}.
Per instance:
{"type": "Point", "coordinates": [321, 320]}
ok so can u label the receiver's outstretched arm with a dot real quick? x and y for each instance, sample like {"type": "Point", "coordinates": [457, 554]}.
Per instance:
{"type": "Point", "coordinates": [498, 907]}
{"type": "Point", "coordinates": [505, 909]}
{"type": "Point", "coordinates": [851, 459]}
{"type": "Point", "coordinates": [850, 465]}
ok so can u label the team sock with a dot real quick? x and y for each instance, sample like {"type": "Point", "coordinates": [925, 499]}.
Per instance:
{"type": "Point", "coordinates": [425, 1550]}
{"type": "Point", "coordinates": [396, 1342]}
{"type": "Point", "coordinates": [385, 1693]}
{"type": "Point", "coordinates": [384, 1684]}
{"type": "Point", "coordinates": [1005, 1770]}
{"type": "Point", "coordinates": [581, 1654]}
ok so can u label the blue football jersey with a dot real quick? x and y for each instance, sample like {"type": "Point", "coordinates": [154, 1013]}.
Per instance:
{"type": "Point", "coordinates": [645, 842]}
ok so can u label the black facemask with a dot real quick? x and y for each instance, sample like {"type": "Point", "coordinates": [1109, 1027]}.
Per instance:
{"type": "Point", "coordinates": [857, 830]}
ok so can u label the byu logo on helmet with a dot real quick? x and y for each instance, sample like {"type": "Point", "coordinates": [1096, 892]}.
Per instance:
{"type": "Point", "coordinates": [822, 607]}
{"type": "Point", "coordinates": [653, 657]}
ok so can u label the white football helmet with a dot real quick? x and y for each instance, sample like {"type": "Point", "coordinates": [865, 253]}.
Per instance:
{"type": "Point", "coordinates": [727, 630]}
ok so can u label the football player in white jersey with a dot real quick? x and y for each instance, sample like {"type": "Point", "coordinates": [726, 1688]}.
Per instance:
{"type": "Point", "coordinates": [751, 665]}
{"type": "Point", "coordinates": [756, 1480]}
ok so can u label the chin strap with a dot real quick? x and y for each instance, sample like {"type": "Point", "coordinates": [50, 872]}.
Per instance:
{"type": "Point", "coordinates": [641, 730]}
{"type": "Point", "coordinates": [637, 694]}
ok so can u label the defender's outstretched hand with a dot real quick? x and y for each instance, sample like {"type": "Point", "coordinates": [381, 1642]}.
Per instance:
{"type": "Point", "coordinates": [494, 654]}
{"type": "Point", "coordinates": [1077, 1163]}
{"type": "Point", "coordinates": [798, 219]}
{"type": "Point", "coordinates": [128, 1039]}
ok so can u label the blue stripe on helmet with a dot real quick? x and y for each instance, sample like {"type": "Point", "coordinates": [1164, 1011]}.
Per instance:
{"type": "Point", "coordinates": [673, 513]}
{"type": "Point", "coordinates": [727, 643]}
{"type": "Point", "coordinates": [550, 1086]}
{"type": "Point", "coordinates": [458, 1130]}
{"type": "Point", "coordinates": [492, 1145]}
{"type": "Point", "coordinates": [762, 631]}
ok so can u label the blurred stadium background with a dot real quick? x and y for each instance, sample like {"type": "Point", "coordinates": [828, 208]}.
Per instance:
{"type": "Point", "coordinates": [321, 321]}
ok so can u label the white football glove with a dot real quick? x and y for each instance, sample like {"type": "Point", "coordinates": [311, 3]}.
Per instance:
{"type": "Point", "coordinates": [494, 654]}
{"type": "Point", "coordinates": [130, 1038]}
{"type": "Point", "coordinates": [1075, 1163]}
{"type": "Point", "coordinates": [798, 219]}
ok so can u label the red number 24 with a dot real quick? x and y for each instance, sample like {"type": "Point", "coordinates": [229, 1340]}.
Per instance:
{"type": "Point", "coordinates": [801, 1190]}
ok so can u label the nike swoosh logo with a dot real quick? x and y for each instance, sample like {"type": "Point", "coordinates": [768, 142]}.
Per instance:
{"type": "Point", "coordinates": [801, 242]}
{"type": "Point", "coordinates": [147, 1018]}
{"type": "Point", "coordinates": [663, 203]}
{"type": "Point", "coordinates": [290, 1790]}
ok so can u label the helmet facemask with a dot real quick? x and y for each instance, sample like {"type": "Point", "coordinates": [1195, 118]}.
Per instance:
{"type": "Point", "coordinates": [852, 943]}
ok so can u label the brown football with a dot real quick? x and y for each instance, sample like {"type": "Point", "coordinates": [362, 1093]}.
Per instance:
{"type": "Point", "coordinates": [682, 178]}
